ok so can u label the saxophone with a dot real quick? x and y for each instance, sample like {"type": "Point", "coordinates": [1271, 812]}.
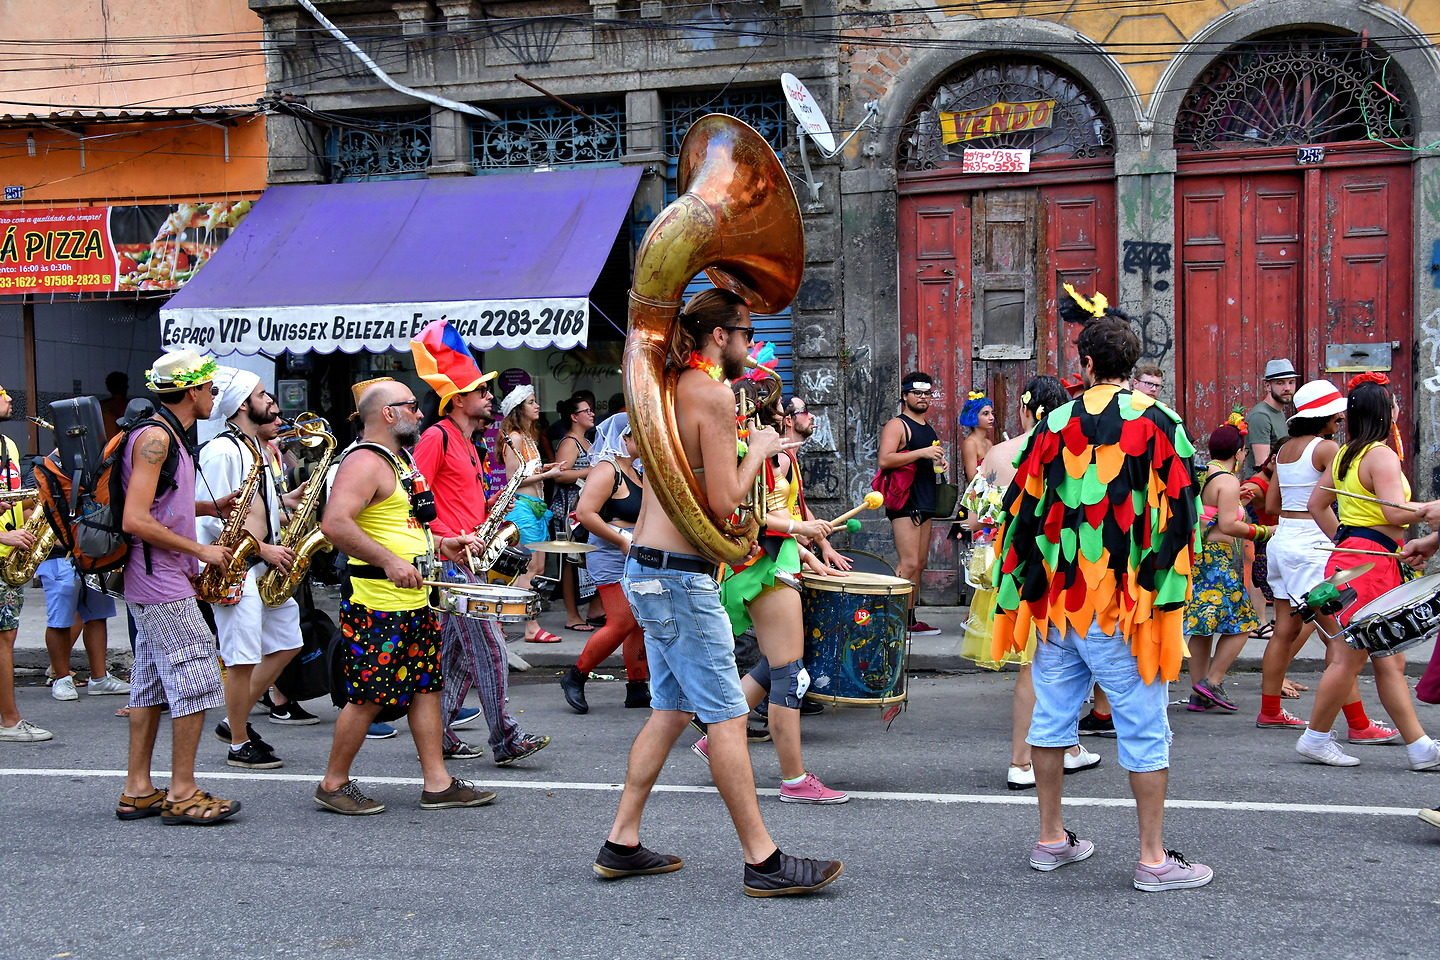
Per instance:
{"type": "Point", "coordinates": [301, 533]}
{"type": "Point", "coordinates": [221, 584]}
{"type": "Point", "coordinates": [20, 565]}
{"type": "Point", "coordinates": [496, 534]}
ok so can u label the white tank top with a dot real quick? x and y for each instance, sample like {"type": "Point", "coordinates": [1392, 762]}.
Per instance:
{"type": "Point", "coordinates": [1298, 479]}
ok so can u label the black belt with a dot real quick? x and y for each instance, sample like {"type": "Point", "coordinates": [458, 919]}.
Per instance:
{"type": "Point", "coordinates": [661, 560]}
{"type": "Point", "coordinates": [1367, 533]}
{"type": "Point", "coordinates": [368, 571]}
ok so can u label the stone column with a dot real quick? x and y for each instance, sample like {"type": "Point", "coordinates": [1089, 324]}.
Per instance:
{"type": "Point", "coordinates": [1426, 258]}
{"type": "Point", "coordinates": [449, 144]}
{"type": "Point", "coordinates": [1145, 222]}
{"type": "Point", "coordinates": [644, 144]}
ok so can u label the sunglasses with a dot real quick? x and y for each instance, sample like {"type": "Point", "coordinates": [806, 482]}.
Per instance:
{"type": "Point", "coordinates": [214, 390]}
{"type": "Point", "coordinates": [413, 405]}
{"type": "Point", "coordinates": [748, 331]}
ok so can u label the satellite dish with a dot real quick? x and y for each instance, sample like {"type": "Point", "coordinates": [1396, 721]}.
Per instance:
{"type": "Point", "coordinates": [807, 112]}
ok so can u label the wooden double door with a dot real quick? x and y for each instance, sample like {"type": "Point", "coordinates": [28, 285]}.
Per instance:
{"type": "Point", "coordinates": [1311, 265]}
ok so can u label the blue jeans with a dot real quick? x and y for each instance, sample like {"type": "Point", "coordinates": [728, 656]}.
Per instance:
{"type": "Point", "coordinates": [1065, 668]}
{"type": "Point", "coordinates": [688, 642]}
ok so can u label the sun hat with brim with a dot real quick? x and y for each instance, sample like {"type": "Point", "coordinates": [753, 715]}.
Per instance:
{"type": "Point", "coordinates": [1317, 399]}
{"type": "Point", "coordinates": [180, 370]}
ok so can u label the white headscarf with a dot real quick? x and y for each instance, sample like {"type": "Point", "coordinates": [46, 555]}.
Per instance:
{"type": "Point", "coordinates": [610, 442]}
{"type": "Point", "coordinates": [516, 397]}
{"type": "Point", "coordinates": [235, 388]}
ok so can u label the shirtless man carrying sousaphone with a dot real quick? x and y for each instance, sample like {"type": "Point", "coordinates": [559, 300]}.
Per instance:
{"type": "Point", "coordinates": [676, 363]}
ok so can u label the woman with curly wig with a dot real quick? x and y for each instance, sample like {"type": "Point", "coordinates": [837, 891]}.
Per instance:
{"type": "Point", "coordinates": [977, 417]}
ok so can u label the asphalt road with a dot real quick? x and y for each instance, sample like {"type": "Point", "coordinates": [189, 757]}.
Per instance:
{"type": "Point", "coordinates": [1310, 861]}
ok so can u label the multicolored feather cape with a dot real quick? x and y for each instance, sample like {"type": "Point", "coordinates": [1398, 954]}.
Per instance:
{"type": "Point", "coordinates": [1100, 525]}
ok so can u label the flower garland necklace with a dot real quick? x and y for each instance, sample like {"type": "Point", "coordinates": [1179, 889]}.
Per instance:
{"type": "Point", "coordinates": [710, 368]}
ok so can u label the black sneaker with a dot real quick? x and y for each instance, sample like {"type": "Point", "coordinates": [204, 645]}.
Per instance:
{"type": "Point", "coordinates": [612, 865]}
{"type": "Point", "coordinates": [809, 708]}
{"type": "Point", "coordinates": [253, 756]}
{"type": "Point", "coordinates": [222, 733]}
{"type": "Point", "coordinates": [526, 746]}
{"type": "Point", "coordinates": [757, 733]}
{"type": "Point", "coordinates": [1093, 726]}
{"type": "Point", "coordinates": [292, 714]}
{"type": "Point", "coordinates": [796, 877]}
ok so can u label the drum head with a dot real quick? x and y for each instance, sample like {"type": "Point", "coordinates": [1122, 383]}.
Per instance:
{"type": "Point", "coordinates": [857, 582]}
{"type": "Point", "coordinates": [864, 561]}
{"type": "Point", "coordinates": [1394, 599]}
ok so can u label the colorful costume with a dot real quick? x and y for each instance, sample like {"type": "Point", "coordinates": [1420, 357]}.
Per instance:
{"type": "Point", "coordinates": [985, 501]}
{"type": "Point", "coordinates": [779, 553]}
{"type": "Point", "coordinates": [1100, 528]}
{"type": "Point", "coordinates": [1219, 604]}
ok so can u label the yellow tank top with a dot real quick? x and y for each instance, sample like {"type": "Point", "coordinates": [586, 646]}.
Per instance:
{"type": "Point", "coordinates": [1360, 513]}
{"type": "Point", "coordinates": [13, 516]}
{"type": "Point", "coordinates": [390, 524]}
{"type": "Point", "coordinates": [783, 494]}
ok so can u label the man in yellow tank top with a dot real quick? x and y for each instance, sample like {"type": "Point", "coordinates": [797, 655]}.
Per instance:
{"type": "Point", "coordinates": [392, 649]}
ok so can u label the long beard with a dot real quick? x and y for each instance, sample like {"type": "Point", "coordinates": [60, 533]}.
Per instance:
{"type": "Point", "coordinates": [732, 369]}
{"type": "Point", "coordinates": [805, 431]}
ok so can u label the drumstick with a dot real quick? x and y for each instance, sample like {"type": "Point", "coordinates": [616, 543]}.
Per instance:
{"type": "Point", "coordinates": [872, 500]}
{"type": "Point", "coordinates": [1368, 553]}
{"type": "Point", "coordinates": [1365, 496]}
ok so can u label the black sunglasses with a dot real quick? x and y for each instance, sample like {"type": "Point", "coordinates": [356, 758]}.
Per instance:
{"type": "Point", "coordinates": [414, 405]}
{"type": "Point", "coordinates": [748, 331]}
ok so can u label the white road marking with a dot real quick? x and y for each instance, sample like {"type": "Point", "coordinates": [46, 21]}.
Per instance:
{"type": "Point", "coordinates": [979, 799]}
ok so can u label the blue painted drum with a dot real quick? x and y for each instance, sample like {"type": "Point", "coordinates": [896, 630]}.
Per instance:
{"type": "Point", "coordinates": [856, 646]}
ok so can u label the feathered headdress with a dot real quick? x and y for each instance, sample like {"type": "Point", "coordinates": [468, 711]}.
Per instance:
{"type": "Point", "coordinates": [763, 354]}
{"type": "Point", "coordinates": [1076, 308]}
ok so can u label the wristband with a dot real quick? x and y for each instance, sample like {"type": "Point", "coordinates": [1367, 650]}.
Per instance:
{"type": "Point", "coordinates": [791, 529]}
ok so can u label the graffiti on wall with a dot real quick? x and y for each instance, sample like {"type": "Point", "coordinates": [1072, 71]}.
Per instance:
{"type": "Point", "coordinates": [1427, 401]}
{"type": "Point", "coordinates": [1157, 335]}
{"type": "Point", "coordinates": [1148, 257]}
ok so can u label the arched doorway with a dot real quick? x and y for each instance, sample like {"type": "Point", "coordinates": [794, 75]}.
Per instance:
{"type": "Point", "coordinates": [1293, 219]}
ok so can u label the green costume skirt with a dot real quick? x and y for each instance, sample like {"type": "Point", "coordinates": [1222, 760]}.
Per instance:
{"type": "Point", "coordinates": [782, 555]}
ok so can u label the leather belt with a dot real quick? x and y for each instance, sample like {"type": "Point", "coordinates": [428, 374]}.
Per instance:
{"type": "Point", "coordinates": [661, 560]}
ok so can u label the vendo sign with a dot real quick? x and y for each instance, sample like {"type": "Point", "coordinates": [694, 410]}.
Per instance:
{"type": "Point", "coordinates": [996, 119]}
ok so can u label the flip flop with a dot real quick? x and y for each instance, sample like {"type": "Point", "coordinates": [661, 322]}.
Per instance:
{"type": "Point", "coordinates": [581, 627]}
{"type": "Point", "coordinates": [544, 636]}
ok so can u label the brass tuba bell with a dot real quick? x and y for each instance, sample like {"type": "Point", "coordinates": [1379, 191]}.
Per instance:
{"type": "Point", "coordinates": [738, 220]}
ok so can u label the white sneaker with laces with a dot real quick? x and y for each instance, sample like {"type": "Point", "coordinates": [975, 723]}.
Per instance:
{"type": "Point", "coordinates": [1327, 752]}
{"type": "Point", "coordinates": [106, 685]}
{"type": "Point", "coordinates": [64, 689]}
{"type": "Point", "coordinates": [25, 732]}
{"type": "Point", "coordinates": [1427, 758]}
{"type": "Point", "coordinates": [1084, 760]}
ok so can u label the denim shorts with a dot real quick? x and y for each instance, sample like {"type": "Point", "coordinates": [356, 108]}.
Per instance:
{"type": "Point", "coordinates": [688, 642]}
{"type": "Point", "coordinates": [67, 593]}
{"type": "Point", "coordinates": [1065, 668]}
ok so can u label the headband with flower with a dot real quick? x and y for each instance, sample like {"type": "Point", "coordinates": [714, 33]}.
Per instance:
{"type": "Point", "coordinates": [1369, 376]}
{"type": "Point", "coordinates": [974, 403]}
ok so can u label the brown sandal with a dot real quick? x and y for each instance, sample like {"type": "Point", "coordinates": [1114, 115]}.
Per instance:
{"type": "Point", "coordinates": [140, 807]}
{"type": "Point", "coordinates": [199, 809]}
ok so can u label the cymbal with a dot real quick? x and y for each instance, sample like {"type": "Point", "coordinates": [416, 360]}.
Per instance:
{"type": "Point", "coordinates": [1341, 577]}
{"type": "Point", "coordinates": [560, 546]}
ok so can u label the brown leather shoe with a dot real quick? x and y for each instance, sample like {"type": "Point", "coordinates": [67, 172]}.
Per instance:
{"type": "Point", "coordinates": [348, 800]}
{"type": "Point", "coordinates": [460, 793]}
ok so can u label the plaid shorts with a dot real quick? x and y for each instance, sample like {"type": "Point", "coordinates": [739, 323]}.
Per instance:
{"type": "Point", "coordinates": [174, 659]}
{"type": "Point", "coordinates": [11, 600]}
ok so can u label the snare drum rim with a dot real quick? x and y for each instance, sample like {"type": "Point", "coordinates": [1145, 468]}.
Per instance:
{"type": "Point", "coordinates": [885, 701]}
{"type": "Point", "coordinates": [878, 587]}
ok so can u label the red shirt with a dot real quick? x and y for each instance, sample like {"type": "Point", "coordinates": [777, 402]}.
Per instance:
{"type": "Point", "coordinates": [453, 468]}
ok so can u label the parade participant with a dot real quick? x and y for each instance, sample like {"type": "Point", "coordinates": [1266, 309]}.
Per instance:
{"type": "Point", "coordinates": [68, 600]}
{"type": "Point", "coordinates": [983, 498]}
{"type": "Point", "coordinates": [530, 515]}
{"type": "Point", "coordinates": [608, 507]}
{"type": "Point", "coordinates": [256, 641]}
{"type": "Point", "coordinates": [763, 595]}
{"type": "Point", "coordinates": [977, 419]}
{"type": "Point", "coordinates": [573, 456]}
{"type": "Point", "coordinates": [1104, 586]}
{"type": "Point", "coordinates": [377, 515]}
{"type": "Point", "coordinates": [473, 652]}
{"type": "Point", "coordinates": [13, 536]}
{"type": "Point", "coordinates": [174, 648]}
{"type": "Point", "coordinates": [1149, 379]}
{"type": "Point", "coordinates": [1218, 604]}
{"type": "Point", "coordinates": [1365, 466]}
{"type": "Point", "coordinates": [1266, 431]}
{"type": "Point", "coordinates": [1297, 554]}
{"type": "Point", "coordinates": [908, 440]}
{"type": "Point", "coordinates": [676, 599]}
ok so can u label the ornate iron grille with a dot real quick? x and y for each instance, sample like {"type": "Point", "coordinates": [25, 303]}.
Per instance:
{"type": "Point", "coordinates": [1301, 89]}
{"type": "Point", "coordinates": [384, 150]}
{"type": "Point", "coordinates": [532, 134]}
{"type": "Point", "coordinates": [762, 109]}
{"type": "Point", "coordinates": [1077, 126]}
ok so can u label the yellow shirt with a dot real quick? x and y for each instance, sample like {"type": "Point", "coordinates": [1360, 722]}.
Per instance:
{"type": "Point", "coordinates": [1355, 512]}
{"type": "Point", "coordinates": [390, 524]}
{"type": "Point", "coordinates": [12, 517]}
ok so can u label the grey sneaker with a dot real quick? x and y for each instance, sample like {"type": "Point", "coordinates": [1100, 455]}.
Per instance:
{"type": "Point", "coordinates": [796, 877]}
{"type": "Point", "coordinates": [108, 685]}
{"type": "Point", "coordinates": [348, 800]}
{"type": "Point", "coordinates": [25, 732]}
{"type": "Point", "coordinates": [1052, 856]}
{"type": "Point", "coordinates": [64, 689]}
{"type": "Point", "coordinates": [1431, 816]}
{"type": "Point", "coordinates": [1176, 873]}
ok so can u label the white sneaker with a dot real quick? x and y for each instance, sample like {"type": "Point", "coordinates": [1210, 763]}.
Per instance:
{"type": "Point", "coordinates": [108, 684]}
{"type": "Point", "coordinates": [1084, 760]}
{"type": "Point", "coordinates": [25, 732]}
{"type": "Point", "coordinates": [1429, 759]}
{"type": "Point", "coordinates": [517, 662]}
{"type": "Point", "coordinates": [1020, 778]}
{"type": "Point", "coordinates": [1328, 753]}
{"type": "Point", "coordinates": [64, 689]}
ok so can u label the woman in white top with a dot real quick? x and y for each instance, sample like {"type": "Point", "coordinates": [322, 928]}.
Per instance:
{"type": "Point", "coordinates": [1296, 555]}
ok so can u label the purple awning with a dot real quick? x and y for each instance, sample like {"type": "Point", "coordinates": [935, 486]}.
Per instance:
{"type": "Point", "coordinates": [509, 259]}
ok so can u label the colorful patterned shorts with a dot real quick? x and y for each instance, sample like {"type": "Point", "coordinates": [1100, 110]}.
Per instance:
{"type": "Point", "coordinates": [389, 655]}
{"type": "Point", "coordinates": [11, 600]}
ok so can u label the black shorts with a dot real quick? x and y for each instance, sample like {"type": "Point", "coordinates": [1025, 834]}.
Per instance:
{"type": "Point", "coordinates": [916, 515]}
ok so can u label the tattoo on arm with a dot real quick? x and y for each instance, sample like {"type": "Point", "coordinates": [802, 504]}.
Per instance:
{"type": "Point", "coordinates": [153, 449]}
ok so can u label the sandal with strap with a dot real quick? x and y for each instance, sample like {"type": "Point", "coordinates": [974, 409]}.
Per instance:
{"type": "Point", "coordinates": [543, 636]}
{"type": "Point", "coordinates": [583, 626]}
{"type": "Point", "coordinates": [199, 809]}
{"type": "Point", "coordinates": [139, 807]}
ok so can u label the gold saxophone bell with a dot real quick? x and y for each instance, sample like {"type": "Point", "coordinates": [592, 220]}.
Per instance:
{"type": "Point", "coordinates": [738, 220]}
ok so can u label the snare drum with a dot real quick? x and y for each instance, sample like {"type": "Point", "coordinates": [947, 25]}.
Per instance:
{"type": "Point", "coordinates": [483, 601]}
{"type": "Point", "coordinates": [855, 639]}
{"type": "Point", "coordinates": [1399, 618]}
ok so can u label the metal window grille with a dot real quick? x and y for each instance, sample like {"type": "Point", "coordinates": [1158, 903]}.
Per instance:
{"type": "Point", "coordinates": [378, 148]}
{"type": "Point", "coordinates": [547, 133]}
{"type": "Point", "coordinates": [763, 109]}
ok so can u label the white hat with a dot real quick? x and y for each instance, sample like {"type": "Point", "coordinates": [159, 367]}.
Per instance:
{"type": "Point", "coordinates": [516, 397]}
{"type": "Point", "coordinates": [1318, 399]}
{"type": "Point", "coordinates": [180, 370]}
{"type": "Point", "coordinates": [1279, 370]}
{"type": "Point", "coordinates": [235, 385]}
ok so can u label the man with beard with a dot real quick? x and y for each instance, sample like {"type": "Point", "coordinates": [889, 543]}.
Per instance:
{"type": "Point", "coordinates": [906, 440]}
{"type": "Point", "coordinates": [1266, 420]}
{"type": "Point", "coordinates": [676, 599]}
{"type": "Point", "coordinates": [473, 652]}
{"type": "Point", "coordinates": [377, 515]}
{"type": "Point", "coordinates": [13, 728]}
{"type": "Point", "coordinates": [799, 427]}
{"type": "Point", "coordinates": [256, 641]}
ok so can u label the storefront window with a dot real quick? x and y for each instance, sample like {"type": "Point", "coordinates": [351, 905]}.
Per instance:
{"type": "Point", "coordinates": [546, 133]}
{"type": "Point", "coordinates": [378, 147]}
{"type": "Point", "coordinates": [1299, 89]}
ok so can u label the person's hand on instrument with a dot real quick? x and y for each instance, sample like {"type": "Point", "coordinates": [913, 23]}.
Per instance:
{"type": "Point", "coordinates": [1429, 512]}
{"type": "Point", "coordinates": [280, 558]}
{"type": "Point", "coordinates": [402, 573]}
{"type": "Point", "coordinates": [213, 555]}
{"type": "Point", "coordinates": [23, 539]}
{"type": "Point", "coordinates": [813, 529]}
{"type": "Point", "coordinates": [457, 548]}
{"type": "Point", "coordinates": [1417, 552]}
{"type": "Point", "coordinates": [834, 558]}
{"type": "Point", "coordinates": [765, 442]}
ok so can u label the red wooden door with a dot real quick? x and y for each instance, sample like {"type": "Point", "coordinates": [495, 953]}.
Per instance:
{"type": "Point", "coordinates": [1080, 247]}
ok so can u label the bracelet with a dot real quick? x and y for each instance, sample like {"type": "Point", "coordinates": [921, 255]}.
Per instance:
{"type": "Point", "coordinates": [790, 530]}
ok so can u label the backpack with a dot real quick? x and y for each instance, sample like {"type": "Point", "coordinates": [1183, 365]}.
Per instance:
{"type": "Point", "coordinates": [87, 509]}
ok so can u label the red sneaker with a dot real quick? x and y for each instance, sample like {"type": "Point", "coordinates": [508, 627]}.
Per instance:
{"type": "Point", "coordinates": [1284, 719]}
{"type": "Point", "coordinates": [922, 629]}
{"type": "Point", "coordinates": [1375, 733]}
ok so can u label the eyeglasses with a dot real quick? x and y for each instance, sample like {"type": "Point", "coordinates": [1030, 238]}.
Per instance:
{"type": "Point", "coordinates": [414, 405]}
{"type": "Point", "coordinates": [921, 393]}
{"type": "Point", "coordinates": [1148, 385]}
{"type": "Point", "coordinates": [748, 331]}
{"type": "Point", "coordinates": [585, 410]}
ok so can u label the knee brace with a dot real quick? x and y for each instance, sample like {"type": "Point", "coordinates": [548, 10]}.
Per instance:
{"type": "Point", "coordinates": [790, 683]}
{"type": "Point", "coordinates": [760, 673]}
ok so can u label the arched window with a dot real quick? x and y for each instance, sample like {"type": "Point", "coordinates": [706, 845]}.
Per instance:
{"type": "Point", "coordinates": [1293, 90]}
{"type": "Point", "coordinates": [1025, 104]}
